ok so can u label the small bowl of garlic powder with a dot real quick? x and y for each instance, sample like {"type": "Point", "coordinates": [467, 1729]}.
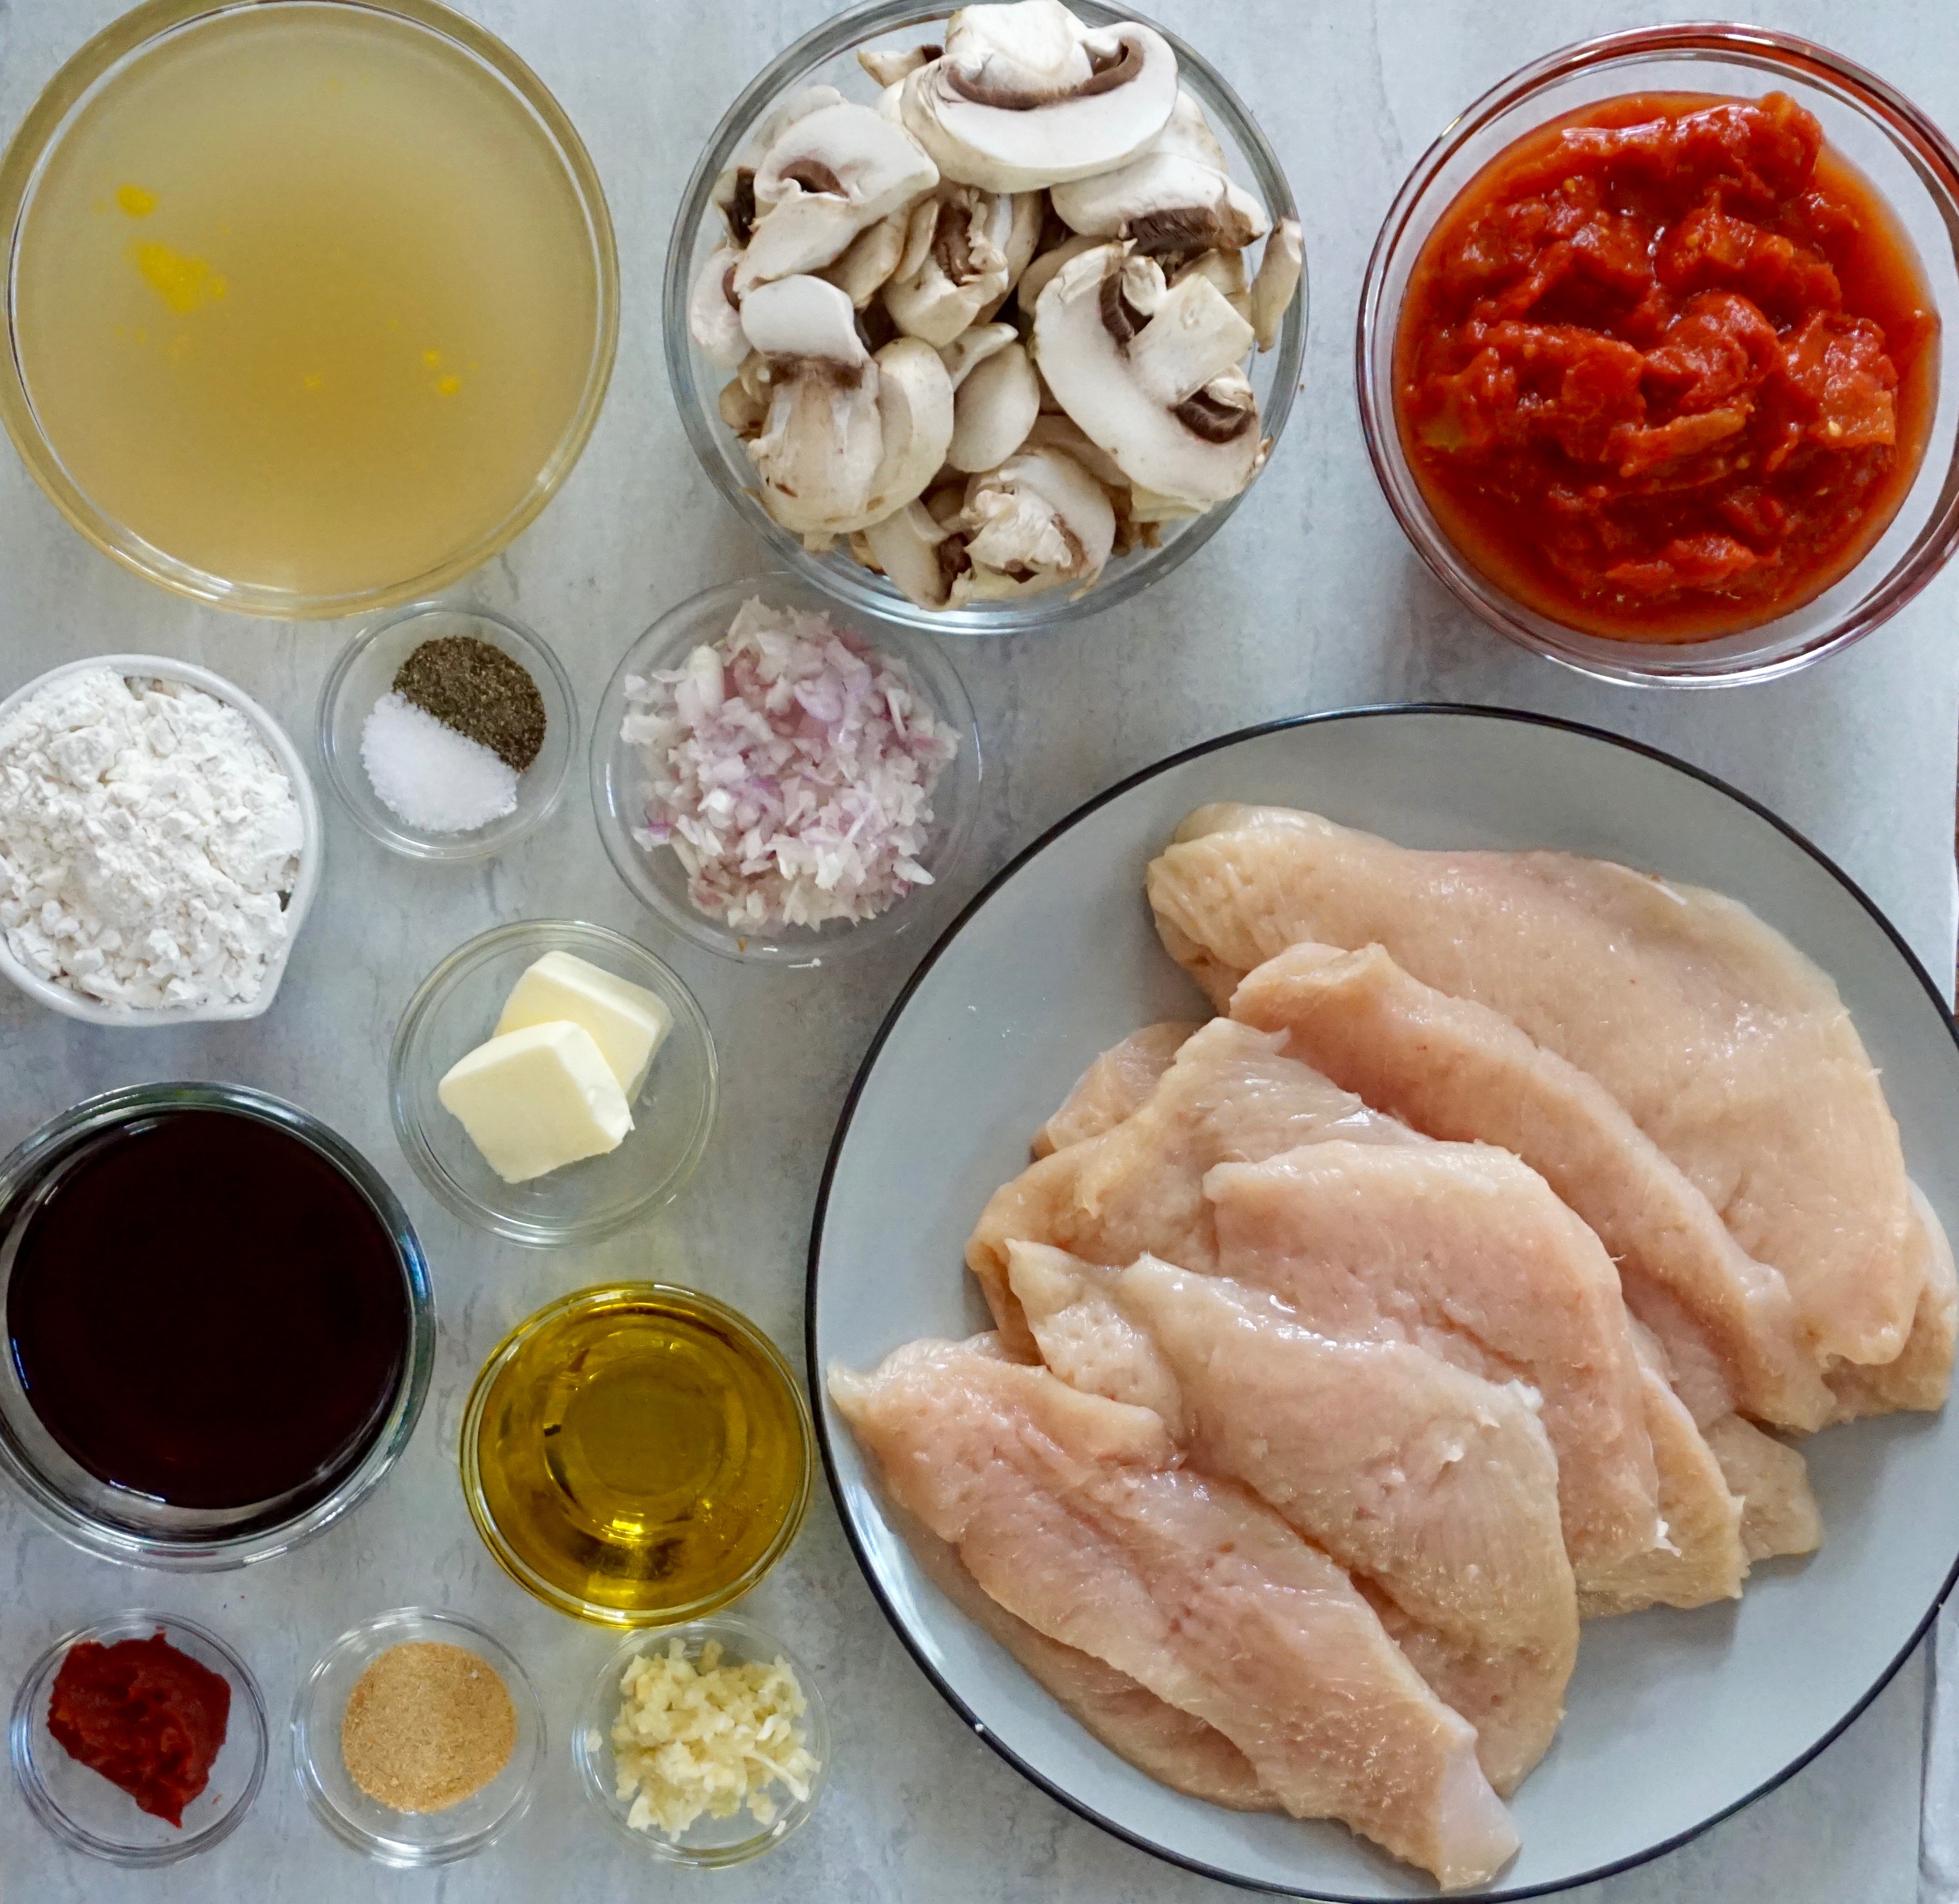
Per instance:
{"type": "Point", "coordinates": [704, 1744]}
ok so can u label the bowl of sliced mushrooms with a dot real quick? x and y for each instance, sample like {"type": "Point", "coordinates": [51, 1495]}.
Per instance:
{"type": "Point", "coordinates": [989, 319]}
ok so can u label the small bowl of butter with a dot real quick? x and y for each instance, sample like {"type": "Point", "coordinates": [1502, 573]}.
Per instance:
{"type": "Point", "coordinates": [552, 1080]}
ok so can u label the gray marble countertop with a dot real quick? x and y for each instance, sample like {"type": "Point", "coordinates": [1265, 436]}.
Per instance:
{"type": "Point", "coordinates": [1309, 599]}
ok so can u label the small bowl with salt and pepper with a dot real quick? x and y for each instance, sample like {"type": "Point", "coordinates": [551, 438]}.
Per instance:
{"type": "Point", "coordinates": [447, 731]}
{"type": "Point", "coordinates": [177, 899]}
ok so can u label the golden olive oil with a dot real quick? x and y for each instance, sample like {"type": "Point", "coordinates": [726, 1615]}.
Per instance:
{"type": "Point", "coordinates": [306, 299]}
{"type": "Point", "coordinates": [642, 1450]}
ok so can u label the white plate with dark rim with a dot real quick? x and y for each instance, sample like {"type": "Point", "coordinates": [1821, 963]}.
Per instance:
{"type": "Point", "coordinates": [1674, 1719]}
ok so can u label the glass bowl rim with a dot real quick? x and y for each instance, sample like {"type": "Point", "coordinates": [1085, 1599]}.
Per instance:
{"type": "Point", "coordinates": [40, 1801]}
{"type": "Point", "coordinates": [760, 1641]}
{"type": "Point", "coordinates": [519, 1337]}
{"type": "Point", "coordinates": [922, 654]}
{"type": "Point", "coordinates": [413, 1138]}
{"type": "Point", "coordinates": [306, 883]}
{"type": "Point", "coordinates": [448, 849]}
{"type": "Point", "coordinates": [24, 158]}
{"type": "Point", "coordinates": [841, 32]}
{"type": "Point", "coordinates": [409, 1621]}
{"type": "Point", "coordinates": [130, 1546]}
{"type": "Point", "coordinates": [1933, 158]}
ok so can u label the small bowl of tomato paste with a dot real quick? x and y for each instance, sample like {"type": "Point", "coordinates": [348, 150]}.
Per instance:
{"type": "Point", "coordinates": [1650, 355]}
{"type": "Point", "coordinates": [141, 1739]}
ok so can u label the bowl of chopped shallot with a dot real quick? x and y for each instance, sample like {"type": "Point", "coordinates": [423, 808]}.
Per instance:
{"type": "Point", "coordinates": [783, 780]}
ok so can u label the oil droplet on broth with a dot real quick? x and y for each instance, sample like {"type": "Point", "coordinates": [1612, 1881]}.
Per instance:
{"type": "Point", "coordinates": [137, 202]}
{"type": "Point", "coordinates": [184, 283]}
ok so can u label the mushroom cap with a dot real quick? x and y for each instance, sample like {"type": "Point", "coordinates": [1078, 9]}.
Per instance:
{"type": "Point", "coordinates": [803, 317]}
{"type": "Point", "coordinates": [1039, 522]}
{"type": "Point", "coordinates": [915, 413]}
{"type": "Point", "coordinates": [1161, 391]}
{"type": "Point", "coordinates": [964, 269]}
{"type": "Point", "coordinates": [1277, 281]}
{"type": "Point", "coordinates": [820, 445]}
{"type": "Point", "coordinates": [832, 173]}
{"type": "Point", "coordinates": [1165, 200]}
{"type": "Point", "coordinates": [713, 317]}
{"type": "Point", "coordinates": [869, 259]}
{"type": "Point", "coordinates": [971, 349]}
{"type": "Point", "coordinates": [906, 546]}
{"type": "Point", "coordinates": [993, 410]}
{"type": "Point", "coordinates": [1025, 97]}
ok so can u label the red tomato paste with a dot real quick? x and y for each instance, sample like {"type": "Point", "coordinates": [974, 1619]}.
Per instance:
{"type": "Point", "coordinates": [1665, 368]}
{"type": "Point", "coordinates": [147, 1717]}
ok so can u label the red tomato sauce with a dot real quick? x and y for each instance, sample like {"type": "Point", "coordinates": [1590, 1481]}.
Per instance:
{"type": "Point", "coordinates": [1666, 367]}
{"type": "Point", "coordinates": [147, 1717]}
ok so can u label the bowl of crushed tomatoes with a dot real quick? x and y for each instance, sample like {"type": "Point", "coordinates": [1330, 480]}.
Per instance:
{"type": "Point", "coordinates": [1651, 355]}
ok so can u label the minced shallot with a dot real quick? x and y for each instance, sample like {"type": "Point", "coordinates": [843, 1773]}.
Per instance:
{"type": "Point", "coordinates": [791, 767]}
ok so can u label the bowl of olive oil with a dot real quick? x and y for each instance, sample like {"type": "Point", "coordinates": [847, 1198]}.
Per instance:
{"type": "Point", "coordinates": [637, 1455]}
{"type": "Point", "coordinates": [310, 306]}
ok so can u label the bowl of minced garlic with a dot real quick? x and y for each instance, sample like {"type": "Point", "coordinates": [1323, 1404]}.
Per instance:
{"type": "Point", "coordinates": [704, 1744]}
{"type": "Point", "coordinates": [417, 1738]}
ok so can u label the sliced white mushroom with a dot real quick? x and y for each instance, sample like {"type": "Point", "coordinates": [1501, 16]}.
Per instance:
{"type": "Point", "coordinates": [1277, 281]}
{"type": "Point", "coordinates": [1023, 241]}
{"type": "Point", "coordinates": [993, 410]}
{"type": "Point", "coordinates": [1039, 522]}
{"type": "Point", "coordinates": [805, 100]}
{"type": "Point", "coordinates": [1150, 372]}
{"type": "Point", "coordinates": [822, 442]}
{"type": "Point", "coordinates": [915, 410]}
{"type": "Point", "coordinates": [1226, 269]}
{"type": "Point", "coordinates": [1147, 505]}
{"type": "Point", "coordinates": [743, 402]}
{"type": "Point", "coordinates": [870, 258]}
{"type": "Point", "coordinates": [1174, 196]}
{"type": "Point", "coordinates": [1040, 273]}
{"type": "Point", "coordinates": [832, 173]}
{"type": "Point", "coordinates": [1056, 430]}
{"type": "Point", "coordinates": [713, 317]}
{"type": "Point", "coordinates": [906, 546]}
{"type": "Point", "coordinates": [963, 270]}
{"type": "Point", "coordinates": [888, 65]}
{"type": "Point", "coordinates": [1025, 95]}
{"type": "Point", "coordinates": [971, 349]}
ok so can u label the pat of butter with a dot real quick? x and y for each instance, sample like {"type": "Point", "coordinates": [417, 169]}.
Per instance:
{"type": "Point", "coordinates": [536, 1099]}
{"type": "Point", "coordinates": [626, 1022]}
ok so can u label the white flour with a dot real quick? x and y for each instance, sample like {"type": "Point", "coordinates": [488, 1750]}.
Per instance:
{"type": "Point", "coordinates": [147, 834]}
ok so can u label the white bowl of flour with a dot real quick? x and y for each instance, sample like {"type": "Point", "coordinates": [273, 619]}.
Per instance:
{"type": "Point", "coordinates": [159, 844]}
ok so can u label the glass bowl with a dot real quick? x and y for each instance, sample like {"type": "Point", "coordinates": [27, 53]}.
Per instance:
{"type": "Point", "coordinates": [606, 1548]}
{"type": "Point", "coordinates": [117, 1524]}
{"type": "Point", "coordinates": [1913, 167]}
{"type": "Point", "coordinates": [656, 875]}
{"type": "Point", "coordinates": [365, 671]}
{"type": "Point", "coordinates": [456, 1007]}
{"type": "Point", "coordinates": [828, 56]}
{"type": "Point", "coordinates": [405, 1839]}
{"type": "Point", "coordinates": [88, 1813]}
{"type": "Point", "coordinates": [709, 1842]}
{"type": "Point", "coordinates": [298, 902]}
{"type": "Point", "coordinates": [67, 96]}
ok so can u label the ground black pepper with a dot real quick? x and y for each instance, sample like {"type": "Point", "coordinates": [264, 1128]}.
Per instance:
{"type": "Point", "coordinates": [478, 690]}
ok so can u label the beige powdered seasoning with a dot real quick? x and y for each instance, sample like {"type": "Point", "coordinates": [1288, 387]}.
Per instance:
{"type": "Point", "coordinates": [427, 1726]}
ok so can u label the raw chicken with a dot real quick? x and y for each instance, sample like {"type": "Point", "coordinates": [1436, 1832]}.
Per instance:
{"type": "Point", "coordinates": [1727, 1046]}
{"type": "Point", "coordinates": [1779, 1515]}
{"type": "Point", "coordinates": [1464, 1251]}
{"type": "Point", "coordinates": [1701, 1560]}
{"type": "Point", "coordinates": [1438, 1485]}
{"type": "Point", "coordinates": [1071, 1511]}
{"type": "Point", "coordinates": [1453, 1068]}
{"type": "Point", "coordinates": [1171, 1747]}
{"type": "Point", "coordinates": [1116, 1084]}
{"type": "Point", "coordinates": [1922, 1375]}
{"type": "Point", "coordinates": [1139, 1186]}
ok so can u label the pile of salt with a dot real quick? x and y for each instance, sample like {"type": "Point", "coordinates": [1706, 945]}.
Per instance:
{"type": "Point", "coordinates": [427, 774]}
